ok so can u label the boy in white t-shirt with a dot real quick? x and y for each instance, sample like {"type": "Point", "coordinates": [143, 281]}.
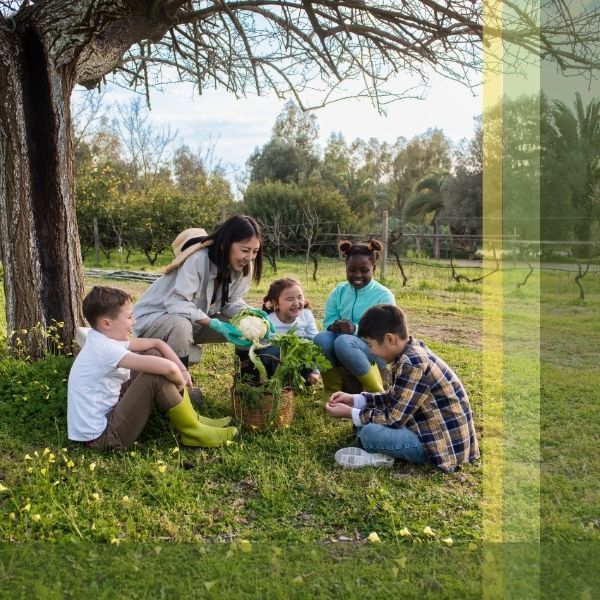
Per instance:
{"type": "Point", "coordinates": [115, 381]}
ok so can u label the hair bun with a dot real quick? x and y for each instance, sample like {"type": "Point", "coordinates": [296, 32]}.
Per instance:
{"type": "Point", "coordinates": [375, 245]}
{"type": "Point", "coordinates": [345, 246]}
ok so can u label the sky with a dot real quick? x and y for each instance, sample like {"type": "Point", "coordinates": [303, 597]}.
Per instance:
{"type": "Point", "coordinates": [235, 127]}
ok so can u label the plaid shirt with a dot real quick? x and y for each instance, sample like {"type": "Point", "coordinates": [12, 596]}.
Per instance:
{"type": "Point", "coordinates": [428, 398]}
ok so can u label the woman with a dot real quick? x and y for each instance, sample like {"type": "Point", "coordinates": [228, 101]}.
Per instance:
{"type": "Point", "coordinates": [203, 286]}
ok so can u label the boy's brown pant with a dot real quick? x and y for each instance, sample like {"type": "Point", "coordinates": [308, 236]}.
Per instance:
{"type": "Point", "coordinates": [131, 413]}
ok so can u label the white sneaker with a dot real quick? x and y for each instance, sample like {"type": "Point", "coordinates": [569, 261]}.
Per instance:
{"type": "Point", "coordinates": [356, 458]}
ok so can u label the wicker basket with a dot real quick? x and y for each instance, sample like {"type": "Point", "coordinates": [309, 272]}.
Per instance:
{"type": "Point", "coordinates": [261, 417]}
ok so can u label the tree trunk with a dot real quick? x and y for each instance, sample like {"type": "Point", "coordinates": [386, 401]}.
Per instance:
{"type": "Point", "coordinates": [43, 280]}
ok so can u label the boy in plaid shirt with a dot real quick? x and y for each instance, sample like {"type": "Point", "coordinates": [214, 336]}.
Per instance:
{"type": "Point", "coordinates": [425, 417]}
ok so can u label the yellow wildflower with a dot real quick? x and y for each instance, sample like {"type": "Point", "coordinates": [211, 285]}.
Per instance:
{"type": "Point", "coordinates": [374, 538]}
{"type": "Point", "coordinates": [404, 532]}
{"type": "Point", "coordinates": [36, 517]}
{"type": "Point", "coordinates": [245, 546]}
{"type": "Point", "coordinates": [162, 468]}
{"type": "Point", "coordinates": [125, 499]}
{"type": "Point", "coordinates": [115, 541]}
{"type": "Point", "coordinates": [3, 488]}
{"type": "Point", "coordinates": [46, 451]}
{"type": "Point", "coordinates": [428, 531]}
{"type": "Point", "coordinates": [27, 507]}
{"type": "Point", "coordinates": [27, 457]}
{"type": "Point", "coordinates": [92, 466]}
{"type": "Point", "coordinates": [448, 541]}
{"type": "Point", "coordinates": [43, 471]}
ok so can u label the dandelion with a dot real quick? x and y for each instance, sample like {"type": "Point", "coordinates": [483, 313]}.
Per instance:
{"type": "Point", "coordinates": [404, 532]}
{"type": "Point", "coordinates": [162, 468]}
{"type": "Point", "coordinates": [92, 466]}
{"type": "Point", "coordinates": [448, 541]}
{"type": "Point", "coordinates": [27, 457]}
{"type": "Point", "coordinates": [428, 531]}
{"type": "Point", "coordinates": [374, 538]}
{"type": "Point", "coordinates": [125, 499]}
{"type": "Point", "coordinates": [3, 488]}
{"type": "Point", "coordinates": [96, 496]}
{"type": "Point", "coordinates": [36, 518]}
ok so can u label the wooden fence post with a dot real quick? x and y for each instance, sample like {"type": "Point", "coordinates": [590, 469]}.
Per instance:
{"type": "Point", "coordinates": [385, 244]}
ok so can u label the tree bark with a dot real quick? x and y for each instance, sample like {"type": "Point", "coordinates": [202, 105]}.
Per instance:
{"type": "Point", "coordinates": [38, 230]}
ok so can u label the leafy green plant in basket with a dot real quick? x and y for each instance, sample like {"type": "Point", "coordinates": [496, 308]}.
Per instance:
{"type": "Point", "coordinates": [270, 395]}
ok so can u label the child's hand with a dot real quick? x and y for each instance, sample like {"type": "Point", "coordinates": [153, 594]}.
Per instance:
{"type": "Point", "coordinates": [341, 398]}
{"type": "Point", "coordinates": [340, 411]}
{"type": "Point", "coordinates": [312, 378]}
{"type": "Point", "coordinates": [187, 378]}
{"type": "Point", "coordinates": [342, 326]}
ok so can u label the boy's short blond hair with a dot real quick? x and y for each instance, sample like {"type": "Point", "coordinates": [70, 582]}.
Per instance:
{"type": "Point", "coordinates": [104, 301]}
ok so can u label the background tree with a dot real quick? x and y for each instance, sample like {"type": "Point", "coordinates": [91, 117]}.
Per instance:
{"type": "Point", "coordinates": [292, 153]}
{"type": "Point", "coordinates": [49, 46]}
{"type": "Point", "coordinates": [577, 148]}
{"type": "Point", "coordinates": [463, 212]}
{"type": "Point", "coordinates": [427, 203]}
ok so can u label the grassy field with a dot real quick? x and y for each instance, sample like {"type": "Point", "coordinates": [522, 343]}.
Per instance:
{"type": "Point", "coordinates": [273, 515]}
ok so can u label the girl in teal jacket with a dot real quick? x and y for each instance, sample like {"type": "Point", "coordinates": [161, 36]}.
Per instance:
{"type": "Point", "coordinates": [344, 307]}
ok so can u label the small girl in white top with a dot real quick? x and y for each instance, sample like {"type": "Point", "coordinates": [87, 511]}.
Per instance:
{"type": "Point", "coordinates": [286, 307]}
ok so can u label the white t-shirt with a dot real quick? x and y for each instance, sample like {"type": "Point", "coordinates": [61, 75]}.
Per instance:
{"type": "Point", "coordinates": [94, 385]}
{"type": "Point", "coordinates": [306, 326]}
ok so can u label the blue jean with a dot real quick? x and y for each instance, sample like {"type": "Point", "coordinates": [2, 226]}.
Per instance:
{"type": "Point", "coordinates": [349, 351]}
{"type": "Point", "coordinates": [401, 443]}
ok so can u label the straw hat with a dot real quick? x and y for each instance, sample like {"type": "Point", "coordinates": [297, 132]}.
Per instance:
{"type": "Point", "coordinates": [185, 236]}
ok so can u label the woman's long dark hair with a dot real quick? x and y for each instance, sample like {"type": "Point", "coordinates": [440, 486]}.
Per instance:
{"type": "Point", "coordinates": [235, 229]}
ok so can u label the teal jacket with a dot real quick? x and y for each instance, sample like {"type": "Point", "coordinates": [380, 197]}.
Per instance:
{"type": "Point", "coordinates": [347, 302]}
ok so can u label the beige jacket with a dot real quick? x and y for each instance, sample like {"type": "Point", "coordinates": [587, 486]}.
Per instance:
{"type": "Point", "coordinates": [187, 292]}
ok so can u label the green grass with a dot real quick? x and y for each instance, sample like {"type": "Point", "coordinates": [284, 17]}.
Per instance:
{"type": "Point", "coordinates": [306, 520]}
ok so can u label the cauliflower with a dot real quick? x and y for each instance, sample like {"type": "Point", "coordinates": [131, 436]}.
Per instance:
{"type": "Point", "coordinates": [252, 327]}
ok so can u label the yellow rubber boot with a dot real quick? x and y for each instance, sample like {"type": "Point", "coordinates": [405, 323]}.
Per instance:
{"type": "Point", "coordinates": [371, 380]}
{"type": "Point", "coordinates": [193, 432]}
{"type": "Point", "coordinates": [332, 382]}
{"type": "Point", "coordinates": [222, 422]}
